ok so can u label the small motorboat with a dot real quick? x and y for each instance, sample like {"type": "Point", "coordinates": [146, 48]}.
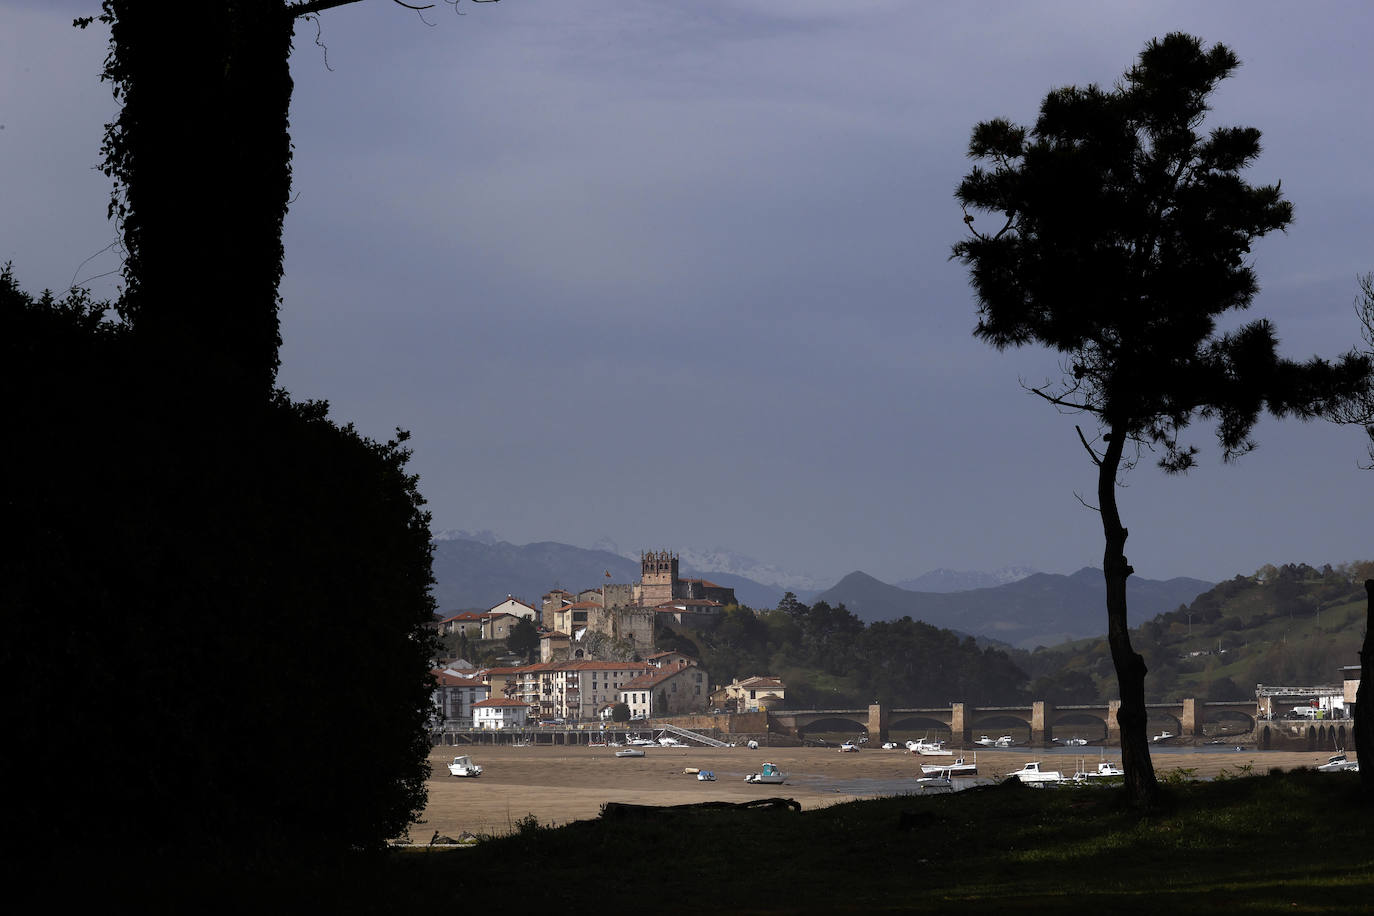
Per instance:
{"type": "Point", "coordinates": [928, 748]}
{"type": "Point", "coordinates": [958, 768]}
{"type": "Point", "coordinates": [849, 747]}
{"type": "Point", "coordinates": [1338, 763]}
{"type": "Point", "coordinates": [1031, 774]}
{"type": "Point", "coordinates": [1105, 770]}
{"type": "Point", "coordinates": [769, 774]}
{"type": "Point", "coordinates": [629, 752]}
{"type": "Point", "coordinates": [935, 781]}
{"type": "Point", "coordinates": [463, 766]}
{"type": "Point", "coordinates": [1163, 736]}
{"type": "Point", "coordinates": [705, 776]}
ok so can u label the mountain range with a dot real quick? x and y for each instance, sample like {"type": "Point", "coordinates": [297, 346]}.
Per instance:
{"type": "Point", "coordinates": [475, 571]}
{"type": "Point", "coordinates": [1042, 609]}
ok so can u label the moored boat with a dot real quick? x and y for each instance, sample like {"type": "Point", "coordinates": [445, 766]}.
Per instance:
{"type": "Point", "coordinates": [1106, 769]}
{"type": "Point", "coordinates": [1339, 763]}
{"type": "Point", "coordinates": [927, 748]}
{"type": "Point", "coordinates": [769, 774]}
{"type": "Point", "coordinates": [958, 768]}
{"type": "Point", "coordinates": [463, 766]}
{"type": "Point", "coordinates": [1031, 774]}
{"type": "Point", "coordinates": [629, 752]}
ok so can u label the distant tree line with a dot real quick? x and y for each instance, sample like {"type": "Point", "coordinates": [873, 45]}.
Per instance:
{"type": "Point", "coordinates": [827, 656]}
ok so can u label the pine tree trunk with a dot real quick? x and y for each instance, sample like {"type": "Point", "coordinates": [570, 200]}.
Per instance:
{"type": "Point", "coordinates": [1364, 697]}
{"type": "Point", "coordinates": [1130, 666]}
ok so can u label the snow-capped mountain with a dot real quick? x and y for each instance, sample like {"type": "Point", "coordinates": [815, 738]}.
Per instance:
{"type": "Point", "coordinates": [953, 580]}
{"type": "Point", "coordinates": [721, 560]}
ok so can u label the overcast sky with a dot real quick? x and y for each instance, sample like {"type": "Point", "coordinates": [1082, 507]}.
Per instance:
{"type": "Point", "coordinates": [677, 275]}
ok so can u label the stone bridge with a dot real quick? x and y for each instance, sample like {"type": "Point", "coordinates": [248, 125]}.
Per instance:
{"type": "Point", "coordinates": [1037, 723]}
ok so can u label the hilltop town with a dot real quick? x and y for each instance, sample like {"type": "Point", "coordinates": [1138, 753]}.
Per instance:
{"type": "Point", "coordinates": [597, 654]}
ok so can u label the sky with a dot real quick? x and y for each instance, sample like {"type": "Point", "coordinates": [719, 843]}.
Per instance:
{"type": "Point", "coordinates": [677, 275]}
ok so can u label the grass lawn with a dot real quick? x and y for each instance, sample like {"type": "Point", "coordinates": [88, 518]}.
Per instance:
{"type": "Point", "coordinates": [1298, 842]}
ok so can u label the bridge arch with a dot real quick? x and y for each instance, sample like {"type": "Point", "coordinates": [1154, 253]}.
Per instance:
{"type": "Point", "coordinates": [1162, 721]}
{"type": "Point", "coordinates": [916, 725]}
{"type": "Point", "coordinates": [994, 725]}
{"type": "Point", "coordinates": [833, 724]}
{"type": "Point", "coordinates": [1228, 721]}
{"type": "Point", "coordinates": [1079, 725]}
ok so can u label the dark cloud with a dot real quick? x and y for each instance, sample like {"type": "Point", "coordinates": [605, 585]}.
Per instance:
{"type": "Point", "coordinates": [678, 275]}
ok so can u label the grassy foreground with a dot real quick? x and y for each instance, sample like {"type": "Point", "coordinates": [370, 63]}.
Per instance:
{"type": "Point", "coordinates": [1297, 842]}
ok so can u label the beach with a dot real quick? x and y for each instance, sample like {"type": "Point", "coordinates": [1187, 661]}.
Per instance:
{"type": "Point", "coordinates": [561, 784]}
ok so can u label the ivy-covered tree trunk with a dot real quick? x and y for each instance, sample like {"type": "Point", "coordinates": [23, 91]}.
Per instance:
{"type": "Point", "coordinates": [1130, 666]}
{"type": "Point", "coordinates": [1364, 697]}
{"type": "Point", "coordinates": [201, 156]}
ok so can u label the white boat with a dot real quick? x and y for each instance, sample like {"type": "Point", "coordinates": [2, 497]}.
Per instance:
{"type": "Point", "coordinates": [463, 766]}
{"type": "Point", "coordinates": [1031, 774]}
{"type": "Point", "coordinates": [1075, 742]}
{"type": "Point", "coordinates": [769, 774]}
{"type": "Point", "coordinates": [638, 741]}
{"type": "Point", "coordinates": [669, 741]}
{"type": "Point", "coordinates": [1004, 741]}
{"type": "Point", "coordinates": [849, 747]}
{"type": "Point", "coordinates": [1163, 736]}
{"type": "Point", "coordinates": [706, 776]}
{"type": "Point", "coordinates": [1339, 763]}
{"type": "Point", "coordinates": [986, 741]}
{"type": "Point", "coordinates": [928, 748]}
{"type": "Point", "coordinates": [629, 752]}
{"type": "Point", "coordinates": [935, 781]}
{"type": "Point", "coordinates": [957, 768]}
{"type": "Point", "coordinates": [1105, 770]}
{"type": "Point", "coordinates": [890, 745]}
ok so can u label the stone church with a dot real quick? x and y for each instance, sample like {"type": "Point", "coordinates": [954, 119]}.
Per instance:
{"type": "Point", "coordinates": [624, 613]}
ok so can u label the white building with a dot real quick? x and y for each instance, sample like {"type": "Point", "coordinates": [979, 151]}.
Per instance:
{"type": "Point", "coordinates": [500, 712]}
{"type": "Point", "coordinates": [453, 698]}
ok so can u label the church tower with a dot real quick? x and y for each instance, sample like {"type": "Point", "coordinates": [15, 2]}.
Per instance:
{"type": "Point", "coordinates": [658, 580]}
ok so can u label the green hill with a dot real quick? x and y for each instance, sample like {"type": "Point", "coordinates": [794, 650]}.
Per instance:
{"type": "Point", "coordinates": [1289, 625]}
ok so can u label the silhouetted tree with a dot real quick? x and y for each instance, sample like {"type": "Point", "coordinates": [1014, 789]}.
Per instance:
{"type": "Point", "coordinates": [523, 638]}
{"type": "Point", "coordinates": [196, 603]}
{"type": "Point", "coordinates": [212, 579]}
{"type": "Point", "coordinates": [1121, 238]}
{"type": "Point", "coordinates": [201, 158]}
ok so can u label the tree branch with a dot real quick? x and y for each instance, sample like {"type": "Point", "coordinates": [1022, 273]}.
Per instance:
{"type": "Point", "coordinates": [1057, 400]}
{"type": "Point", "coordinates": [306, 7]}
{"type": "Point", "coordinates": [1097, 459]}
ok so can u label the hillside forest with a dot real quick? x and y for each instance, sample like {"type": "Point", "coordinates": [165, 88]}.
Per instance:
{"type": "Point", "coordinates": [1292, 624]}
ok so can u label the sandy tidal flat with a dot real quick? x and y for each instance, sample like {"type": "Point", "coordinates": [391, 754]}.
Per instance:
{"type": "Point", "coordinates": [560, 784]}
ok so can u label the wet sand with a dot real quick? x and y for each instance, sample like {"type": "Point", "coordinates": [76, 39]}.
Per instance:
{"type": "Point", "coordinates": [560, 784]}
